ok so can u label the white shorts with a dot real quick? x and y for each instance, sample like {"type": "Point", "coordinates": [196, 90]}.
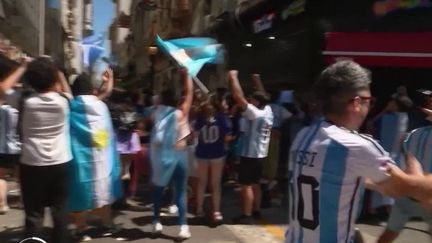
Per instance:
{"type": "Point", "coordinates": [403, 210]}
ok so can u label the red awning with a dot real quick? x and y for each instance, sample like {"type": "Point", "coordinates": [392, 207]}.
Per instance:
{"type": "Point", "coordinates": [376, 49]}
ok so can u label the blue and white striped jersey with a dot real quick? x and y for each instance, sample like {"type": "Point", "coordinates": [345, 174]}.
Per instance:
{"type": "Point", "coordinates": [9, 139]}
{"type": "Point", "coordinates": [390, 130]}
{"type": "Point", "coordinates": [329, 164]}
{"type": "Point", "coordinates": [419, 143]}
{"type": "Point", "coordinates": [257, 125]}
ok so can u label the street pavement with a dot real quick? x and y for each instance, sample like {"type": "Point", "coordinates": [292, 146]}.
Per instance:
{"type": "Point", "coordinates": [135, 224]}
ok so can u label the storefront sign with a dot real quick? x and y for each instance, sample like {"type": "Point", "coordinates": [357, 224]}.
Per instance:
{"type": "Point", "coordinates": [384, 7]}
{"type": "Point", "coordinates": [264, 23]}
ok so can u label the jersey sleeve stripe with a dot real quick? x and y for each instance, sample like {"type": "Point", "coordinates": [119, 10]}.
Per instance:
{"type": "Point", "coordinates": [373, 142]}
{"type": "Point", "coordinates": [330, 188]}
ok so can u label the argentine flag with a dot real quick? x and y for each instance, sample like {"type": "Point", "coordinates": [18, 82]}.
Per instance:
{"type": "Point", "coordinates": [192, 53]}
{"type": "Point", "coordinates": [92, 49]}
{"type": "Point", "coordinates": [95, 169]}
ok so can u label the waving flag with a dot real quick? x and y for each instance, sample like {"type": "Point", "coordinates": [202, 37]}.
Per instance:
{"type": "Point", "coordinates": [192, 53]}
{"type": "Point", "coordinates": [92, 49]}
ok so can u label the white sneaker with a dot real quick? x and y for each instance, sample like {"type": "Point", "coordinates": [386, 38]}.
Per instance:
{"type": "Point", "coordinates": [157, 228]}
{"type": "Point", "coordinates": [173, 209]}
{"type": "Point", "coordinates": [4, 209]}
{"type": "Point", "coordinates": [184, 232]}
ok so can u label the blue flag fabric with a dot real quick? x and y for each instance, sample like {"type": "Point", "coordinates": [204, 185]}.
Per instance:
{"type": "Point", "coordinates": [192, 53]}
{"type": "Point", "coordinates": [92, 49]}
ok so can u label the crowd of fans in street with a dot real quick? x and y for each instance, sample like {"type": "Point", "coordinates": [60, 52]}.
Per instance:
{"type": "Point", "coordinates": [81, 149]}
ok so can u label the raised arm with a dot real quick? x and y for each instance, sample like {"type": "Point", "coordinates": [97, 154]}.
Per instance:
{"type": "Point", "coordinates": [13, 78]}
{"type": "Point", "coordinates": [108, 84]}
{"type": "Point", "coordinates": [236, 90]}
{"type": "Point", "coordinates": [257, 83]}
{"type": "Point", "coordinates": [63, 84]}
{"type": "Point", "coordinates": [188, 86]}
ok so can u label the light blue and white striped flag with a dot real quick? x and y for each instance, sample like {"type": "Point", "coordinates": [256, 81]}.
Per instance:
{"type": "Point", "coordinates": [92, 49]}
{"type": "Point", "coordinates": [192, 53]}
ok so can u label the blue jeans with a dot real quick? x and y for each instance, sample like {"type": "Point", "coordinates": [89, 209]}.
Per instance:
{"type": "Point", "coordinates": [180, 190]}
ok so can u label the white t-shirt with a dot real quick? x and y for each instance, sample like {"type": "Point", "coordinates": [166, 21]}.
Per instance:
{"type": "Point", "coordinates": [256, 126]}
{"type": "Point", "coordinates": [45, 130]}
{"type": "Point", "coordinates": [329, 164]}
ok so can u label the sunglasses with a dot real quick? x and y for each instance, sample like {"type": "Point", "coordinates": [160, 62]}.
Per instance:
{"type": "Point", "coordinates": [371, 99]}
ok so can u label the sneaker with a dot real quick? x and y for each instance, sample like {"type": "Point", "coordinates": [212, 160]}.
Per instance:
{"type": "Point", "coordinates": [126, 177]}
{"type": "Point", "coordinates": [173, 209]}
{"type": "Point", "coordinates": [217, 217]}
{"type": "Point", "coordinates": [184, 232]}
{"type": "Point", "coordinates": [256, 215]}
{"type": "Point", "coordinates": [109, 230]}
{"type": "Point", "coordinates": [157, 228]}
{"type": "Point", "coordinates": [244, 219]}
{"type": "Point", "coordinates": [4, 209]}
{"type": "Point", "coordinates": [82, 237]}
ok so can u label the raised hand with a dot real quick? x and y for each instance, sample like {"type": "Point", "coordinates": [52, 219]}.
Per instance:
{"type": "Point", "coordinates": [233, 75]}
{"type": "Point", "coordinates": [256, 77]}
{"type": "Point", "coordinates": [413, 167]}
{"type": "Point", "coordinates": [108, 75]}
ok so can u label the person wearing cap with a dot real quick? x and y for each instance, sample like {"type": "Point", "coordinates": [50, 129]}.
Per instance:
{"type": "Point", "coordinates": [258, 118]}
{"type": "Point", "coordinates": [420, 115]}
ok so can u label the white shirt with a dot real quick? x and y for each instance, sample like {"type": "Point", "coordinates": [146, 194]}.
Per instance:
{"type": "Point", "coordinates": [45, 130]}
{"type": "Point", "coordinates": [329, 165]}
{"type": "Point", "coordinates": [256, 126]}
{"type": "Point", "coordinates": [9, 139]}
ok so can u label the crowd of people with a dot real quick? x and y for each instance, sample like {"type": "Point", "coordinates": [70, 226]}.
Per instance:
{"type": "Point", "coordinates": [80, 149]}
{"type": "Point", "coordinates": [76, 147]}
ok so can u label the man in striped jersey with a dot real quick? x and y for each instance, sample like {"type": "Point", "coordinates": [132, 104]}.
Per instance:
{"type": "Point", "coordinates": [258, 121]}
{"type": "Point", "coordinates": [417, 144]}
{"type": "Point", "coordinates": [330, 160]}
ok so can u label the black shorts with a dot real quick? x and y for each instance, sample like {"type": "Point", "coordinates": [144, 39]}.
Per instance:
{"type": "Point", "coordinates": [9, 161]}
{"type": "Point", "coordinates": [250, 170]}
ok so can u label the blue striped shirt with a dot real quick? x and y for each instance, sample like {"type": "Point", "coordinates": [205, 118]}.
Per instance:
{"type": "Point", "coordinates": [328, 165]}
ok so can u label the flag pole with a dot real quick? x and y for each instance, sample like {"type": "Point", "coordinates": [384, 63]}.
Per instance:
{"type": "Point", "coordinates": [200, 85]}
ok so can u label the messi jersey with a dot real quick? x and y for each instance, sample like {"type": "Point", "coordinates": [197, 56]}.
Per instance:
{"type": "Point", "coordinates": [211, 139]}
{"type": "Point", "coordinates": [256, 127]}
{"type": "Point", "coordinates": [329, 164]}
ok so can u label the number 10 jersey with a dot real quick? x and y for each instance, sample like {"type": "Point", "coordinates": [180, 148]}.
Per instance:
{"type": "Point", "coordinates": [328, 165]}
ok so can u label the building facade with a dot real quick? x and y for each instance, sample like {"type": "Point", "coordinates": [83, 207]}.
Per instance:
{"type": "Point", "coordinates": [133, 33]}
{"type": "Point", "coordinates": [23, 25]}
{"type": "Point", "coordinates": [77, 23]}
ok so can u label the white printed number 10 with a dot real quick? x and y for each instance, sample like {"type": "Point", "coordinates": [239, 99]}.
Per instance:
{"type": "Point", "coordinates": [313, 223]}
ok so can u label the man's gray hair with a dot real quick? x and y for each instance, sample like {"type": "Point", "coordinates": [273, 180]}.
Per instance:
{"type": "Point", "coordinates": [338, 83]}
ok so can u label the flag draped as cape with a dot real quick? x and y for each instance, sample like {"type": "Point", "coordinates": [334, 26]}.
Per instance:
{"type": "Point", "coordinates": [95, 168]}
